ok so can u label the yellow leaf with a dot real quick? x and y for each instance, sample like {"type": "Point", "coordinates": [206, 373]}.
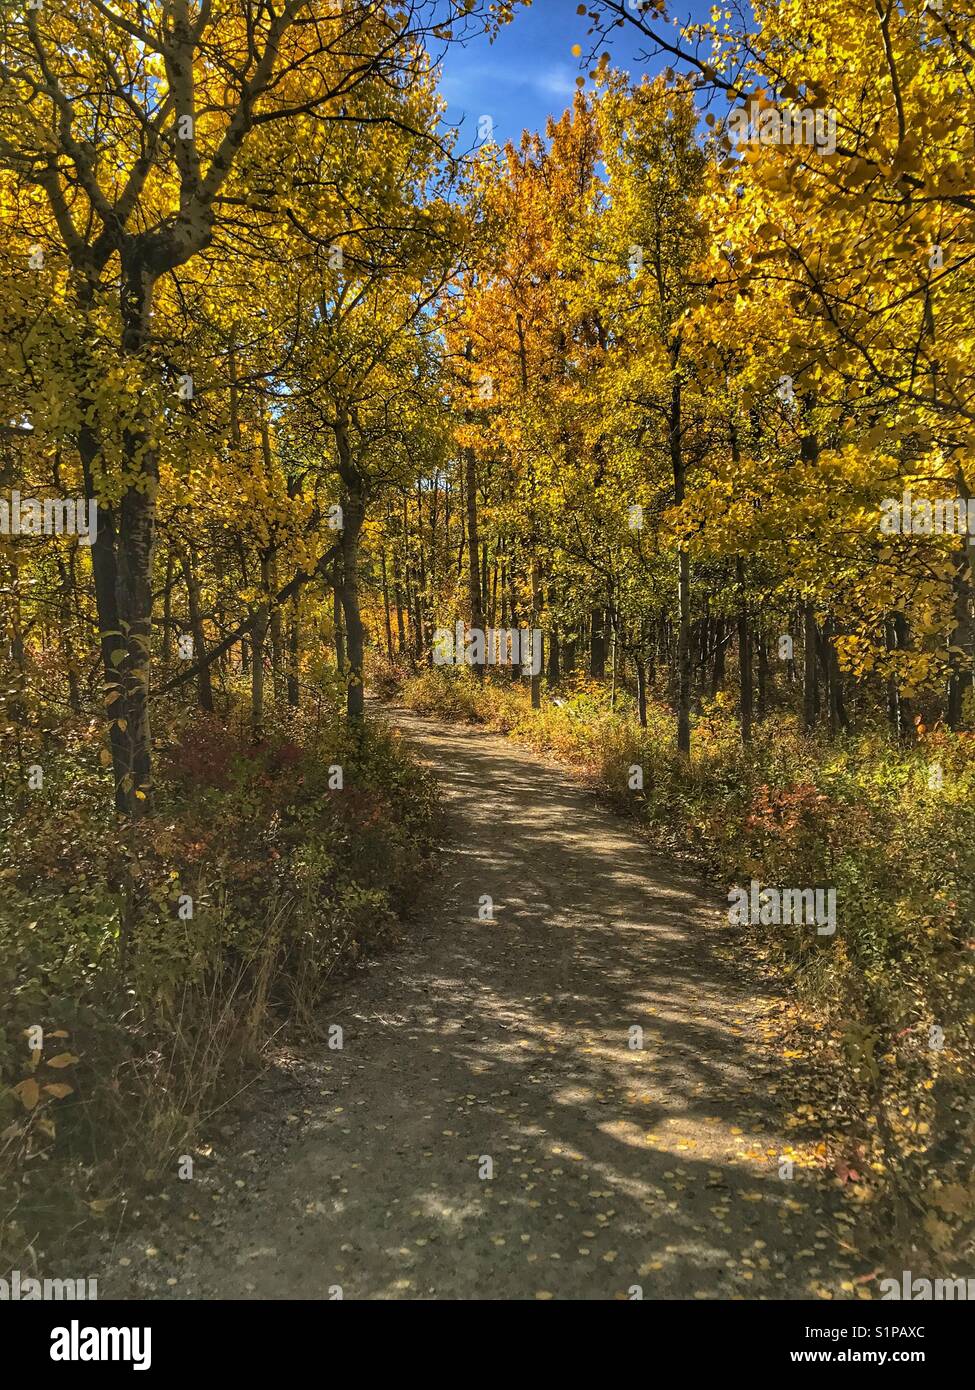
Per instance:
{"type": "Point", "coordinates": [28, 1092]}
{"type": "Point", "coordinates": [63, 1059]}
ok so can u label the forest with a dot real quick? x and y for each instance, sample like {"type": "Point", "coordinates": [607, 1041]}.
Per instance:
{"type": "Point", "coordinates": [639, 446]}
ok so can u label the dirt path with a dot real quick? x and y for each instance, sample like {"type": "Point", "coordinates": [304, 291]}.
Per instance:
{"type": "Point", "coordinates": [509, 1041]}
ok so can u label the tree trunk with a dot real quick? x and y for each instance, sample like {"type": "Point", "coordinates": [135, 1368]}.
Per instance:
{"type": "Point", "coordinates": [899, 708]}
{"type": "Point", "coordinates": [809, 453]}
{"type": "Point", "coordinates": [537, 657]}
{"type": "Point", "coordinates": [337, 619]}
{"type": "Point", "coordinates": [484, 574]}
{"type": "Point", "coordinates": [258, 641]}
{"type": "Point", "coordinates": [398, 599]}
{"type": "Point", "coordinates": [762, 649]}
{"type": "Point", "coordinates": [597, 644]}
{"type": "Point", "coordinates": [134, 553]}
{"type": "Point", "coordinates": [810, 693]}
{"type": "Point", "coordinates": [745, 666]}
{"type": "Point", "coordinates": [683, 579]}
{"type": "Point", "coordinates": [204, 688]}
{"type": "Point", "coordinates": [277, 645]}
{"type": "Point", "coordinates": [166, 654]}
{"type": "Point", "coordinates": [64, 627]}
{"type": "Point", "coordinates": [294, 642]}
{"type": "Point", "coordinates": [512, 606]}
{"type": "Point", "coordinates": [641, 689]}
{"type": "Point", "coordinates": [834, 684]}
{"type": "Point", "coordinates": [553, 671]}
{"type": "Point", "coordinates": [353, 515]}
{"type": "Point", "coordinates": [474, 592]}
{"type": "Point", "coordinates": [744, 655]}
{"type": "Point", "coordinates": [962, 645]}
{"type": "Point", "coordinates": [386, 612]}
{"type": "Point", "coordinates": [718, 658]}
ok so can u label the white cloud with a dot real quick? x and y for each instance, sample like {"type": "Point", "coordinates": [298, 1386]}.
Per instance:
{"type": "Point", "coordinates": [465, 81]}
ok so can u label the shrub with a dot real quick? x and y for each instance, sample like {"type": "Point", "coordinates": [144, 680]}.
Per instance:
{"type": "Point", "coordinates": [149, 1002]}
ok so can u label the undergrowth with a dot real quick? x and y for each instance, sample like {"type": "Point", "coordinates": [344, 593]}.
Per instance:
{"type": "Point", "coordinates": [144, 972]}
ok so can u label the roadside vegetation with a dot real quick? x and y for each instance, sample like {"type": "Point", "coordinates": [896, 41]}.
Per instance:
{"type": "Point", "coordinates": [148, 974]}
{"type": "Point", "coordinates": [883, 1024]}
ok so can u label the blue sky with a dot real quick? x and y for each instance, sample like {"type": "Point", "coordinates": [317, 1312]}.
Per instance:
{"type": "Point", "coordinates": [529, 72]}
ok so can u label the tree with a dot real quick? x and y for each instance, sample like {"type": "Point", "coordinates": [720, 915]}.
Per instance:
{"type": "Point", "coordinates": [132, 144]}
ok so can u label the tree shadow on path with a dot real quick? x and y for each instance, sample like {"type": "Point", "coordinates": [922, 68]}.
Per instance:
{"type": "Point", "coordinates": [494, 1128]}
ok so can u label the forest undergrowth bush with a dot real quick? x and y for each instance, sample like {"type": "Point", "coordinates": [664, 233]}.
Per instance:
{"type": "Point", "coordinates": [145, 971]}
{"type": "Point", "coordinates": [885, 1008]}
